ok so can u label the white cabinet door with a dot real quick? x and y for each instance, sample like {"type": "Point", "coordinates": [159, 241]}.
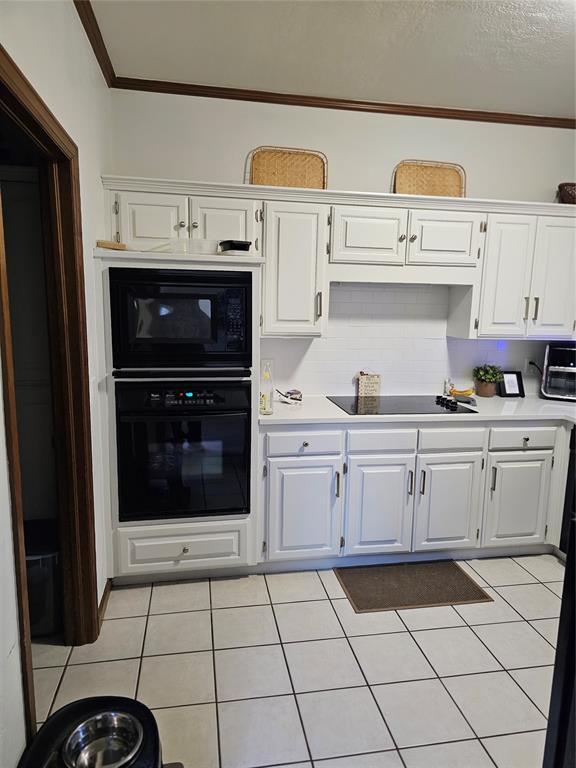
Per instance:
{"type": "Point", "coordinates": [304, 507]}
{"type": "Point", "coordinates": [504, 304]}
{"type": "Point", "coordinates": [448, 503]}
{"type": "Point", "coordinates": [296, 245]}
{"type": "Point", "coordinates": [516, 497]}
{"type": "Point", "coordinates": [222, 218]}
{"type": "Point", "coordinates": [444, 238]}
{"type": "Point", "coordinates": [380, 504]}
{"type": "Point", "coordinates": [146, 220]}
{"type": "Point", "coordinates": [553, 289]}
{"type": "Point", "coordinates": [368, 235]}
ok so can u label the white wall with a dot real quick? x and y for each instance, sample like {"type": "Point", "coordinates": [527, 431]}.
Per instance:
{"type": "Point", "coordinates": [182, 137]}
{"type": "Point", "coordinates": [398, 331]}
{"type": "Point", "coordinates": [48, 43]}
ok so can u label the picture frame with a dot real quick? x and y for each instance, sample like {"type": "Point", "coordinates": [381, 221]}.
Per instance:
{"type": "Point", "coordinates": [511, 384]}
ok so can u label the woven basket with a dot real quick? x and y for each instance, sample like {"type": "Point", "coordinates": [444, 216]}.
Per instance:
{"type": "Point", "coordinates": [285, 167]}
{"type": "Point", "coordinates": [425, 177]}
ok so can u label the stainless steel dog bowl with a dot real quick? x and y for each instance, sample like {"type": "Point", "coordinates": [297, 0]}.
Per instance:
{"type": "Point", "coordinates": [105, 740]}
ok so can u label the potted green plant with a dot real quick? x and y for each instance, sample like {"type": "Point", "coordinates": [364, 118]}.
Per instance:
{"type": "Point", "coordinates": [486, 378]}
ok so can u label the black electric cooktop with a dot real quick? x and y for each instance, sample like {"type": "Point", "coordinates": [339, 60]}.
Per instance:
{"type": "Point", "coordinates": [390, 404]}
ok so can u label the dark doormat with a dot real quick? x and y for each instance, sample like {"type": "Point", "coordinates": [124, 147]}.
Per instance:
{"type": "Point", "coordinates": [409, 585]}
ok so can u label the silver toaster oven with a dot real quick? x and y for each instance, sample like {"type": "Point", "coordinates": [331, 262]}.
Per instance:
{"type": "Point", "coordinates": [559, 373]}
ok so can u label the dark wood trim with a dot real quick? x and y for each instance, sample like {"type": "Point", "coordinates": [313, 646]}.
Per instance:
{"type": "Point", "coordinates": [104, 601]}
{"type": "Point", "coordinates": [321, 102]}
{"type": "Point", "coordinates": [64, 260]}
{"type": "Point", "coordinates": [13, 457]}
{"type": "Point", "coordinates": [88, 19]}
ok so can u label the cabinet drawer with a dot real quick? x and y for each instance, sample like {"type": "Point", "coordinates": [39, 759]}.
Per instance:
{"type": "Point", "coordinates": [303, 443]}
{"type": "Point", "coordinates": [510, 438]}
{"type": "Point", "coordinates": [452, 439]}
{"type": "Point", "coordinates": [382, 440]}
{"type": "Point", "coordinates": [153, 549]}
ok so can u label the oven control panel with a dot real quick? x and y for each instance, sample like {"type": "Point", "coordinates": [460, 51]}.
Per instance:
{"type": "Point", "coordinates": [164, 397]}
{"type": "Point", "coordinates": [177, 398]}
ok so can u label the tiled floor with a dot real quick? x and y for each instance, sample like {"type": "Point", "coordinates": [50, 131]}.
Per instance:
{"type": "Point", "coordinates": [279, 670]}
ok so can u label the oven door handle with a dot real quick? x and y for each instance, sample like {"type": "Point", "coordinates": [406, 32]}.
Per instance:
{"type": "Point", "coordinates": [167, 414]}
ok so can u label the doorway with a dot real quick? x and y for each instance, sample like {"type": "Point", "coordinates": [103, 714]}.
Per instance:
{"type": "Point", "coordinates": [45, 374]}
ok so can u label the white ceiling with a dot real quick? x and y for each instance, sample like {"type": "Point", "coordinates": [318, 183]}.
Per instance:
{"type": "Point", "coordinates": [497, 55]}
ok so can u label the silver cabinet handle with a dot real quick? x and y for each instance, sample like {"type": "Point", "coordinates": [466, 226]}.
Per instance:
{"type": "Point", "coordinates": [257, 245]}
{"type": "Point", "coordinates": [410, 482]}
{"type": "Point", "coordinates": [525, 441]}
{"type": "Point", "coordinates": [337, 485]}
{"type": "Point", "coordinates": [402, 238]}
{"type": "Point", "coordinates": [185, 550]}
{"type": "Point", "coordinates": [305, 444]}
{"type": "Point", "coordinates": [526, 308]}
{"type": "Point", "coordinates": [422, 482]}
{"type": "Point", "coordinates": [536, 308]}
{"type": "Point", "coordinates": [182, 224]}
{"type": "Point", "coordinates": [195, 225]}
{"type": "Point", "coordinates": [413, 238]}
{"type": "Point", "coordinates": [494, 473]}
{"type": "Point", "coordinates": [319, 304]}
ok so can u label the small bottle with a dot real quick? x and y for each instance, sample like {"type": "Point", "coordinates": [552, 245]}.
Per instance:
{"type": "Point", "coordinates": [266, 389]}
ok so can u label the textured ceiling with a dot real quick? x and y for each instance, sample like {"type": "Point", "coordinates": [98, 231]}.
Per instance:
{"type": "Point", "coordinates": [500, 55]}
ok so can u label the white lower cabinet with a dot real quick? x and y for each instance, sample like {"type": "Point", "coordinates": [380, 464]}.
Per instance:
{"type": "Point", "coordinates": [448, 501]}
{"type": "Point", "coordinates": [517, 490]}
{"type": "Point", "coordinates": [304, 507]}
{"type": "Point", "coordinates": [379, 504]}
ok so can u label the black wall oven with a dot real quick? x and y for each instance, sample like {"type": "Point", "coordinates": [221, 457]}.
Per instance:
{"type": "Point", "coordinates": [183, 448]}
{"type": "Point", "coordinates": [175, 319]}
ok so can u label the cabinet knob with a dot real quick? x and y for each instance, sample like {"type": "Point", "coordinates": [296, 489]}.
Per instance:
{"type": "Point", "coordinates": [195, 225]}
{"type": "Point", "coordinates": [305, 444]}
{"type": "Point", "coordinates": [182, 224]}
{"type": "Point", "coordinates": [185, 550]}
{"type": "Point", "coordinates": [413, 238]}
{"type": "Point", "coordinates": [525, 441]}
{"type": "Point", "coordinates": [402, 238]}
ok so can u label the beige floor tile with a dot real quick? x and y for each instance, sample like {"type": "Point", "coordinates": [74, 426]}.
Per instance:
{"type": "Point", "coordinates": [488, 613]}
{"type": "Point", "coordinates": [293, 587]}
{"type": "Point", "coordinates": [532, 601]}
{"type": "Point", "coordinates": [373, 623]}
{"type": "Point", "coordinates": [245, 673]}
{"type": "Point", "coordinates": [239, 627]}
{"type": "Point", "coordinates": [431, 618]}
{"type": "Point", "coordinates": [343, 722]}
{"type": "Point", "coordinates": [238, 592]}
{"type": "Point", "coordinates": [516, 645]}
{"type": "Point", "coordinates": [47, 654]}
{"type": "Point", "coordinates": [548, 628]}
{"type": "Point", "coordinates": [314, 620]}
{"type": "Point", "coordinates": [189, 735]}
{"type": "Point", "coordinates": [543, 567]}
{"type": "Point", "coordinates": [472, 573]}
{"type": "Point", "coordinates": [501, 571]}
{"type": "Point", "coordinates": [456, 651]}
{"type": "Point", "coordinates": [493, 704]}
{"type": "Point", "coordinates": [171, 681]}
{"type": "Point", "coordinates": [108, 678]}
{"type": "Point", "coordinates": [181, 596]}
{"type": "Point", "coordinates": [460, 754]}
{"type": "Point", "coordinates": [390, 658]}
{"type": "Point", "coordinates": [322, 664]}
{"type": "Point", "coordinates": [178, 633]}
{"type": "Point", "coordinates": [261, 732]}
{"type": "Point", "coordinates": [520, 750]}
{"type": "Point", "coordinates": [388, 759]}
{"type": "Point", "coordinates": [118, 639]}
{"type": "Point", "coordinates": [537, 683]}
{"type": "Point", "coordinates": [125, 602]}
{"type": "Point", "coordinates": [420, 712]}
{"type": "Point", "coordinates": [332, 585]}
{"type": "Point", "coordinates": [45, 685]}
{"type": "Point", "coordinates": [556, 587]}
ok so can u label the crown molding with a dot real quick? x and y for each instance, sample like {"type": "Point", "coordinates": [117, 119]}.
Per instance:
{"type": "Point", "coordinates": [88, 19]}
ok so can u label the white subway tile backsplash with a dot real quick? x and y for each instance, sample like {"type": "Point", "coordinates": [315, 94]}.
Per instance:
{"type": "Point", "coordinates": [398, 331]}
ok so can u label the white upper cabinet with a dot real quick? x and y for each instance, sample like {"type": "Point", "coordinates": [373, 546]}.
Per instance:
{"type": "Point", "coordinates": [553, 290]}
{"type": "Point", "coordinates": [380, 504]}
{"type": "Point", "coordinates": [221, 218]}
{"type": "Point", "coordinates": [146, 220]}
{"type": "Point", "coordinates": [368, 235]}
{"type": "Point", "coordinates": [448, 503]}
{"type": "Point", "coordinates": [445, 238]}
{"type": "Point", "coordinates": [517, 498]}
{"type": "Point", "coordinates": [505, 300]}
{"type": "Point", "coordinates": [296, 244]}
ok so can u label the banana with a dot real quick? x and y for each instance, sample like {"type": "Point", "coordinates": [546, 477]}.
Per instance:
{"type": "Point", "coordinates": [461, 392]}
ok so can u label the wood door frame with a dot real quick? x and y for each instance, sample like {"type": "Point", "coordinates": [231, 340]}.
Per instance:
{"type": "Point", "coordinates": [65, 282]}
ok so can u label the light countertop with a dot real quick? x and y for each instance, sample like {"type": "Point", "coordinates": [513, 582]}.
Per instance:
{"type": "Point", "coordinates": [317, 409]}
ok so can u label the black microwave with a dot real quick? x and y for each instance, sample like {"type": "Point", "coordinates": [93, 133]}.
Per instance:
{"type": "Point", "coordinates": [187, 319]}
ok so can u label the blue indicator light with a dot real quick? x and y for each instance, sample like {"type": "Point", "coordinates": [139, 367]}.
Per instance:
{"type": "Point", "coordinates": [189, 394]}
